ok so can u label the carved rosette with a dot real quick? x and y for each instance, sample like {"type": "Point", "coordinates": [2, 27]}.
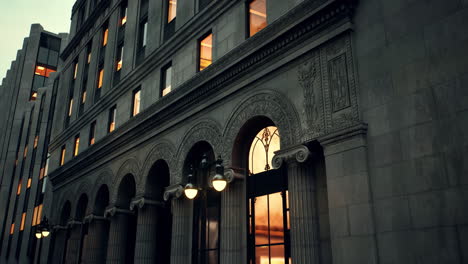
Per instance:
{"type": "Point", "coordinates": [299, 154]}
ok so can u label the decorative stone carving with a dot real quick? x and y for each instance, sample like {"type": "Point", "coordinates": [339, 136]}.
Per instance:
{"type": "Point", "coordinates": [173, 191]}
{"type": "Point", "coordinates": [339, 87]}
{"type": "Point", "coordinates": [299, 154]}
{"type": "Point", "coordinates": [206, 130]}
{"type": "Point", "coordinates": [232, 174]}
{"type": "Point", "coordinates": [142, 201]}
{"type": "Point", "coordinates": [112, 211]}
{"type": "Point", "coordinates": [309, 80]}
{"type": "Point", "coordinates": [270, 104]}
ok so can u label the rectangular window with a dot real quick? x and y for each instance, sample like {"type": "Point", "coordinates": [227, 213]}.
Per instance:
{"type": "Point", "coordinates": [70, 107]}
{"type": "Point", "coordinates": [123, 14]}
{"type": "Point", "coordinates": [100, 78]}
{"type": "Point", "coordinates": [166, 80]}
{"type": "Point", "coordinates": [83, 94]}
{"type": "Point", "coordinates": [36, 141]}
{"type": "Point", "coordinates": [120, 51]}
{"type": "Point", "coordinates": [88, 51]}
{"type": "Point", "coordinates": [37, 214]}
{"type": "Point", "coordinates": [76, 146]}
{"type": "Point", "coordinates": [92, 133]}
{"type": "Point", "coordinates": [25, 153]}
{"type": "Point", "coordinates": [171, 10]}
{"type": "Point", "coordinates": [105, 35]}
{"type": "Point", "coordinates": [75, 71]}
{"type": "Point", "coordinates": [205, 50]}
{"type": "Point", "coordinates": [143, 33]}
{"type": "Point", "coordinates": [18, 190]}
{"type": "Point", "coordinates": [257, 16]}
{"type": "Point", "coordinates": [12, 229]}
{"type": "Point", "coordinates": [23, 220]}
{"type": "Point", "coordinates": [62, 155]}
{"type": "Point", "coordinates": [112, 116]}
{"type": "Point", "coordinates": [33, 96]}
{"type": "Point", "coordinates": [29, 183]}
{"type": "Point", "coordinates": [136, 102]}
{"type": "Point", "coordinates": [43, 71]}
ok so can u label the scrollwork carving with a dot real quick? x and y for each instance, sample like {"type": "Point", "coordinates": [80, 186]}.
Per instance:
{"type": "Point", "coordinates": [298, 154]}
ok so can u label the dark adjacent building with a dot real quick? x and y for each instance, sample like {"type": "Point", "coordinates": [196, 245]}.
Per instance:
{"type": "Point", "coordinates": [260, 132]}
{"type": "Point", "coordinates": [26, 111]}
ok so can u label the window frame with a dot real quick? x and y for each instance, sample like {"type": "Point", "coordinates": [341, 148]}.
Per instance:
{"type": "Point", "coordinates": [112, 119]}
{"type": "Point", "coordinates": [132, 110]}
{"type": "Point", "coordinates": [199, 46]}
{"type": "Point", "coordinates": [164, 79]}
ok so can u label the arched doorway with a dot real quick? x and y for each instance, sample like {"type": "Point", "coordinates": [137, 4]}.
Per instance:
{"type": "Point", "coordinates": [206, 206]}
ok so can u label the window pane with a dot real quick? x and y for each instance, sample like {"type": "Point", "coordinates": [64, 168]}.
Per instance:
{"type": "Point", "coordinates": [105, 36]}
{"type": "Point", "coordinates": [136, 102]}
{"type": "Point", "coordinates": [43, 55]}
{"type": "Point", "coordinates": [261, 220]}
{"type": "Point", "coordinates": [53, 58]}
{"type": "Point", "coordinates": [262, 255]}
{"type": "Point", "coordinates": [167, 81]}
{"type": "Point", "coordinates": [276, 218]}
{"type": "Point", "coordinates": [263, 149]}
{"type": "Point", "coordinates": [257, 16]}
{"type": "Point", "coordinates": [206, 47]}
{"type": "Point", "coordinates": [277, 254]}
{"type": "Point", "coordinates": [171, 12]}
{"type": "Point", "coordinates": [100, 78]}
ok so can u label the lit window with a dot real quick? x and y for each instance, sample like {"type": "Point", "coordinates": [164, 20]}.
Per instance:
{"type": "Point", "coordinates": [263, 149]}
{"type": "Point", "coordinates": [136, 102]}
{"type": "Point", "coordinates": [37, 215]}
{"type": "Point", "coordinates": [70, 107]}
{"type": "Point", "coordinates": [23, 220]}
{"type": "Point", "coordinates": [167, 80]}
{"type": "Point", "coordinates": [100, 78]}
{"type": "Point", "coordinates": [36, 141]}
{"type": "Point", "coordinates": [92, 132]}
{"type": "Point", "coordinates": [12, 229]}
{"type": "Point", "coordinates": [41, 173]}
{"type": "Point", "coordinates": [83, 95]}
{"type": "Point", "coordinates": [62, 155]}
{"type": "Point", "coordinates": [29, 183]}
{"type": "Point", "coordinates": [112, 116]}
{"type": "Point", "coordinates": [75, 71]}
{"type": "Point", "coordinates": [33, 96]}
{"type": "Point", "coordinates": [123, 15]}
{"type": "Point", "coordinates": [43, 71]}
{"type": "Point", "coordinates": [206, 51]}
{"type": "Point", "coordinates": [257, 16]}
{"type": "Point", "coordinates": [18, 190]}
{"type": "Point", "coordinates": [171, 10]}
{"type": "Point", "coordinates": [105, 36]}
{"type": "Point", "coordinates": [25, 153]}
{"type": "Point", "coordinates": [120, 52]}
{"type": "Point", "coordinates": [77, 146]}
{"type": "Point", "coordinates": [88, 58]}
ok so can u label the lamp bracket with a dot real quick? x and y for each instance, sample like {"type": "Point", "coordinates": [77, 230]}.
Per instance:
{"type": "Point", "coordinates": [142, 201]}
{"type": "Point", "coordinates": [173, 192]}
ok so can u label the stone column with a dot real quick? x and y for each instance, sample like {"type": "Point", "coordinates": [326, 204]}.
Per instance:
{"type": "Point", "coordinates": [350, 202]}
{"type": "Point", "coordinates": [59, 244]}
{"type": "Point", "coordinates": [181, 243]}
{"type": "Point", "coordinates": [95, 244]}
{"type": "Point", "coordinates": [118, 235]}
{"type": "Point", "coordinates": [305, 241]}
{"type": "Point", "coordinates": [146, 235]}
{"type": "Point", "coordinates": [233, 220]}
{"type": "Point", "coordinates": [73, 244]}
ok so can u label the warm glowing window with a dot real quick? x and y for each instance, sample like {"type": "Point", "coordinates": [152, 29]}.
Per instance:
{"type": "Point", "coordinates": [206, 52]}
{"type": "Point", "coordinates": [263, 149]}
{"type": "Point", "coordinates": [92, 132]}
{"type": "Point", "coordinates": [83, 95]}
{"type": "Point", "coordinates": [75, 71]}
{"type": "Point", "coordinates": [37, 214]}
{"type": "Point", "coordinates": [43, 71]}
{"type": "Point", "coordinates": [112, 116]}
{"type": "Point", "coordinates": [70, 107]}
{"type": "Point", "coordinates": [41, 173]}
{"type": "Point", "coordinates": [25, 153]}
{"type": "Point", "coordinates": [100, 78]}
{"type": "Point", "coordinates": [33, 96]}
{"type": "Point", "coordinates": [171, 10]}
{"type": "Point", "coordinates": [120, 52]}
{"type": "Point", "coordinates": [88, 58]}
{"type": "Point", "coordinates": [18, 190]}
{"type": "Point", "coordinates": [12, 229]}
{"type": "Point", "coordinates": [105, 36]}
{"type": "Point", "coordinates": [29, 183]}
{"type": "Point", "coordinates": [136, 102]}
{"type": "Point", "coordinates": [257, 16]}
{"type": "Point", "coordinates": [36, 141]}
{"type": "Point", "coordinates": [123, 15]}
{"type": "Point", "coordinates": [62, 155]}
{"type": "Point", "coordinates": [23, 220]}
{"type": "Point", "coordinates": [46, 168]}
{"type": "Point", "coordinates": [166, 80]}
{"type": "Point", "coordinates": [77, 146]}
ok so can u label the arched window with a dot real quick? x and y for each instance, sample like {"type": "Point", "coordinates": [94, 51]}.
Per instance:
{"type": "Point", "coordinates": [268, 214]}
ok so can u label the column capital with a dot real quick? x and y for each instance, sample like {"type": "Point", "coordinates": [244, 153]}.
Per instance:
{"type": "Point", "coordinates": [298, 153]}
{"type": "Point", "coordinates": [173, 191]}
{"type": "Point", "coordinates": [233, 173]}
{"type": "Point", "coordinates": [140, 202]}
{"type": "Point", "coordinates": [92, 217]}
{"type": "Point", "coordinates": [112, 211]}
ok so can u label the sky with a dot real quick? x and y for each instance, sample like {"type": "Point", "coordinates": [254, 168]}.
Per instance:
{"type": "Point", "coordinates": [17, 17]}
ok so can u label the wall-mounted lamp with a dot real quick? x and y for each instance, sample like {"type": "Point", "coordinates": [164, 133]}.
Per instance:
{"type": "Point", "coordinates": [218, 181]}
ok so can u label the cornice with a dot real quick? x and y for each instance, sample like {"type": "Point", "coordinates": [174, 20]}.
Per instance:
{"type": "Point", "coordinates": [304, 21]}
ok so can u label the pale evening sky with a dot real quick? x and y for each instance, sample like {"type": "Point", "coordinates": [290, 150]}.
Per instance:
{"type": "Point", "coordinates": [17, 17]}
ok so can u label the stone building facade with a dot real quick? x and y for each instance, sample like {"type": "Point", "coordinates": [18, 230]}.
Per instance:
{"type": "Point", "coordinates": [367, 99]}
{"type": "Point", "coordinates": [26, 107]}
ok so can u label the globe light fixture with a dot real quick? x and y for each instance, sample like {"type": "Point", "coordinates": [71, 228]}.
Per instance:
{"type": "Point", "coordinates": [190, 189]}
{"type": "Point", "coordinates": [43, 229]}
{"type": "Point", "coordinates": [219, 182]}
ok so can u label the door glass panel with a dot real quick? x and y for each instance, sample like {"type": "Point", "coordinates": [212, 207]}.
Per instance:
{"type": "Point", "coordinates": [277, 254]}
{"type": "Point", "coordinates": [262, 255]}
{"type": "Point", "coordinates": [276, 218]}
{"type": "Point", "coordinates": [261, 220]}
{"type": "Point", "coordinates": [212, 257]}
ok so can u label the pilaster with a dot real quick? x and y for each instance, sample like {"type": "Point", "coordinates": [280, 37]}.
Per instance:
{"type": "Point", "coordinates": [95, 245]}
{"type": "Point", "coordinates": [118, 235]}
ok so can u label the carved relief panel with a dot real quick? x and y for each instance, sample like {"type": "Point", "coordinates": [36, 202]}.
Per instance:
{"type": "Point", "coordinates": [329, 88]}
